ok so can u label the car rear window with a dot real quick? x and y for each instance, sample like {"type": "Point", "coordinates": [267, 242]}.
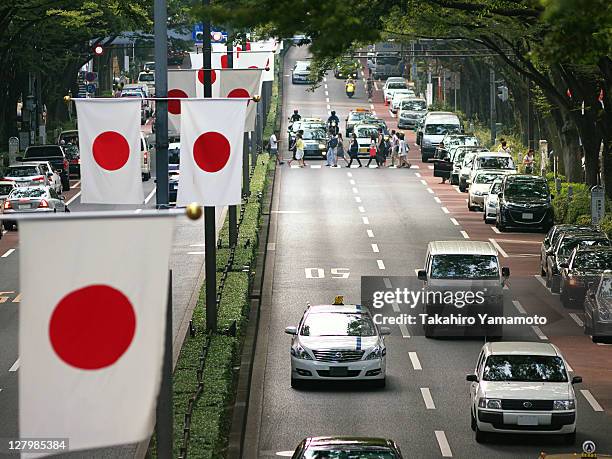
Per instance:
{"type": "Point", "coordinates": [441, 129]}
{"type": "Point", "coordinates": [44, 151]}
{"type": "Point", "coordinates": [397, 85]}
{"type": "Point", "coordinates": [464, 266]}
{"type": "Point", "coordinates": [348, 452]}
{"type": "Point", "coordinates": [524, 368]}
{"type": "Point", "coordinates": [568, 244]}
{"type": "Point", "coordinates": [599, 261]}
{"type": "Point", "coordinates": [495, 162]}
{"type": "Point", "coordinates": [30, 192]}
{"type": "Point", "coordinates": [338, 324]}
{"type": "Point", "coordinates": [24, 171]}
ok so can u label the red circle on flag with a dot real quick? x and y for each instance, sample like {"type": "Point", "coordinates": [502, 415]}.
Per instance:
{"type": "Point", "coordinates": [92, 327]}
{"type": "Point", "coordinates": [240, 92]}
{"type": "Point", "coordinates": [224, 62]}
{"type": "Point", "coordinates": [111, 150]}
{"type": "Point", "coordinates": [174, 106]}
{"type": "Point", "coordinates": [213, 76]}
{"type": "Point", "coordinates": [211, 151]}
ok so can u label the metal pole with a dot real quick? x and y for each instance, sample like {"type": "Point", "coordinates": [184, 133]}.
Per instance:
{"type": "Point", "coordinates": [529, 120]}
{"type": "Point", "coordinates": [161, 106]}
{"type": "Point", "coordinates": [492, 102]}
{"type": "Point", "coordinates": [210, 233]}
{"type": "Point", "coordinates": [233, 213]}
{"type": "Point", "coordinates": [245, 166]}
{"type": "Point", "coordinates": [165, 417]}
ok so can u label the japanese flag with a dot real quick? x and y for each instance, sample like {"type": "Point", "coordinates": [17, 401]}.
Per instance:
{"type": "Point", "coordinates": [219, 60]}
{"type": "Point", "coordinates": [181, 84]}
{"type": "Point", "coordinates": [211, 151]}
{"type": "Point", "coordinates": [256, 60]}
{"type": "Point", "coordinates": [109, 137]}
{"type": "Point", "coordinates": [91, 330]}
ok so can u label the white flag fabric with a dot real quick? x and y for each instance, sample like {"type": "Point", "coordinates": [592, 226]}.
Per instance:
{"type": "Point", "coordinates": [211, 151]}
{"type": "Point", "coordinates": [218, 60]}
{"type": "Point", "coordinates": [181, 84]}
{"type": "Point", "coordinates": [256, 60]}
{"type": "Point", "coordinates": [91, 330]}
{"type": "Point", "coordinates": [109, 138]}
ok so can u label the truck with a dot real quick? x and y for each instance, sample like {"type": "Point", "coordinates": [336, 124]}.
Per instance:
{"type": "Point", "coordinates": [386, 60]}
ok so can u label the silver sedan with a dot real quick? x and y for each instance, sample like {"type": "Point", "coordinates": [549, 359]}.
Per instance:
{"type": "Point", "coordinates": [39, 199]}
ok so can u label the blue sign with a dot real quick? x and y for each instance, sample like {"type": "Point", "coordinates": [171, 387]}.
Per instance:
{"type": "Point", "coordinates": [216, 36]}
{"type": "Point", "coordinates": [91, 88]}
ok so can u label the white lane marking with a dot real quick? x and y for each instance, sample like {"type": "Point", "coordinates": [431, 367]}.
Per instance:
{"type": "Point", "coordinates": [315, 166]}
{"type": "Point", "coordinates": [455, 222]}
{"type": "Point", "coordinates": [519, 307]}
{"type": "Point", "coordinates": [464, 234]}
{"type": "Point", "coordinates": [271, 246]}
{"type": "Point", "coordinates": [443, 444]}
{"type": "Point", "coordinates": [328, 106]}
{"type": "Point", "coordinates": [424, 182]}
{"type": "Point", "coordinates": [366, 221]}
{"type": "Point", "coordinates": [429, 190]}
{"type": "Point", "coordinates": [417, 174]}
{"type": "Point", "coordinates": [445, 210]}
{"type": "Point", "coordinates": [327, 93]}
{"type": "Point", "coordinates": [349, 174]}
{"type": "Point", "coordinates": [295, 167]}
{"type": "Point", "coordinates": [538, 331]}
{"type": "Point", "coordinates": [387, 282]}
{"type": "Point", "coordinates": [325, 85]}
{"type": "Point", "coordinates": [589, 397]}
{"type": "Point", "coordinates": [404, 330]}
{"type": "Point", "coordinates": [370, 233]}
{"type": "Point", "coordinates": [195, 253]}
{"type": "Point", "coordinates": [541, 280]}
{"type": "Point", "coordinates": [427, 398]}
{"type": "Point", "coordinates": [577, 319]}
{"type": "Point", "coordinates": [357, 199]}
{"type": "Point", "coordinates": [495, 230]}
{"type": "Point", "coordinates": [414, 360]}
{"type": "Point", "coordinates": [351, 181]}
{"type": "Point", "coordinates": [361, 209]}
{"type": "Point", "coordinates": [137, 211]}
{"type": "Point", "coordinates": [395, 306]}
{"type": "Point", "coordinates": [285, 453]}
{"type": "Point", "coordinates": [498, 247]}
{"type": "Point", "coordinates": [437, 199]}
{"type": "Point", "coordinates": [375, 248]}
{"type": "Point", "coordinates": [7, 253]}
{"type": "Point", "coordinates": [151, 194]}
{"type": "Point", "coordinates": [196, 245]}
{"type": "Point", "coordinates": [414, 166]}
{"type": "Point", "coordinates": [71, 200]}
{"type": "Point", "coordinates": [327, 100]}
{"type": "Point", "coordinates": [380, 264]}
{"type": "Point", "coordinates": [371, 106]}
{"type": "Point", "coordinates": [324, 79]}
{"type": "Point", "coordinates": [355, 190]}
{"type": "Point", "coordinates": [15, 366]}
{"type": "Point", "coordinates": [376, 85]}
{"type": "Point", "coordinates": [76, 184]}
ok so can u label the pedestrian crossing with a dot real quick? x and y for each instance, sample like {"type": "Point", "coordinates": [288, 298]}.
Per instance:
{"type": "Point", "coordinates": [354, 166]}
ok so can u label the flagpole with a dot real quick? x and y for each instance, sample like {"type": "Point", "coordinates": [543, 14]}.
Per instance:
{"type": "Point", "coordinates": [210, 233]}
{"type": "Point", "coordinates": [233, 214]}
{"type": "Point", "coordinates": [165, 419]}
{"type": "Point", "coordinates": [161, 105]}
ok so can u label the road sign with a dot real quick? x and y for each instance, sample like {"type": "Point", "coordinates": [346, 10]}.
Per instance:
{"type": "Point", "coordinates": [91, 88]}
{"type": "Point", "coordinates": [598, 204]}
{"type": "Point", "coordinates": [91, 76]}
{"type": "Point", "coordinates": [216, 36]}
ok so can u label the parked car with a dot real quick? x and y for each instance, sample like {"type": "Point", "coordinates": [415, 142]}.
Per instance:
{"type": "Point", "coordinates": [38, 199]}
{"type": "Point", "coordinates": [347, 447]}
{"type": "Point", "coordinates": [491, 202]}
{"type": "Point", "coordinates": [585, 265]}
{"type": "Point", "coordinates": [337, 343]}
{"type": "Point", "coordinates": [465, 169]}
{"type": "Point", "coordinates": [301, 73]}
{"type": "Point", "coordinates": [481, 186]}
{"type": "Point", "coordinates": [6, 186]}
{"type": "Point", "coordinates": [174, 161]}
{"type": "Point", "coordinates": [410, 111]}
{"type": "Point", "coordinates": [145, 158]}
{"type": "Point", "coordinates": [27, 174]}
{"type": "Point", "coordinates": [562, 251]}
{"type": "Point", "coordinates": [398, 97]}
{"type": "Point", "coordinates": [391, 85]}
{"type": "Point", "coordinates": [522, 387]}
{"type": "Point", "coordinates": [70, 136]}
{"type": "Point", "coordinates": [489, 160]}
{"type": "Point", "coordinates": [457, 155]}
{"type": "Point", "coordinates": [598, 309]}
{"type": "Point", "coordinates": [435, 126]}
{"type": "Point", "coordinates": [147, 78]}
{"type": "Point", "coordinates": [525, 202]}
{"type": "Point", "coordinates": [551, 238]}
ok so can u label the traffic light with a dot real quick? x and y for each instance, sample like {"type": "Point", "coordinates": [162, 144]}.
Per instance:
{"type": "Point", "coordinates": [502, 93]}
{"type": "Point", "coordinates": [98, 50]}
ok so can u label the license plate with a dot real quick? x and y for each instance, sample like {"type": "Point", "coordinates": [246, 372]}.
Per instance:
{"type": "Point", "coordinates": [527, 216]}
{"type": "Point", "coordinates": [527, 421]}
{"type": "Point", "coordinates": [338, 371]}
{"type": "Point", "coordinates": [25, 206]}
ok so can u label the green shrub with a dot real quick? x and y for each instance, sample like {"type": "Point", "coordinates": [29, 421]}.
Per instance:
{"type": "Point", "coordinates": [606, 225]}
{"type": "Point", "coordinates": [583, 219]}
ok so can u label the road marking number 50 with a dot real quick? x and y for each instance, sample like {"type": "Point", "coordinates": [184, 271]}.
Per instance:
{"type": "Point", "coordinates": [319, 273]}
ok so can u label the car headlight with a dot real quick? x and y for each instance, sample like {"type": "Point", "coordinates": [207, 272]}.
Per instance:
{"type": "Point", "coordinates": [561, 405]}
{"type": "Point", "coordinates": [377, 353]}
{"type": "Point", "coordinates": [299, 352]}
{"type": "Point", "coordinates": [321, 146]}
{"type": "Point", "coordinates": [490, 403]}
{"type": "Point", "coordinates": [604, 313]}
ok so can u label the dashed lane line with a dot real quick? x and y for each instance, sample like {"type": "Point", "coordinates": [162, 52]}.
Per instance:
{"type": "Point", "coordinates": [366, 220]}
{"type": "Point", "coordinates": [404, 330]}
{"type": "Point", "coordinates": [355, 190]}
{"type": "Point", "coordinates": [465, 235]}
{"type": "Point", "coordinates": [352, 182]}
{"type": "Point", "coordinates": [417, 174]}
{"type": "Point", "coordinates": [498, 247]}
{"type": "Point", "coordinates": [361, 209]}
{"type": "Point", "coordinates": [380, 264]}
{"type": "Point", "coordinates": [589, 398]}
{"type": "Point", "coordinates": [357, 199]}
{"type": "Point", "coordinates": [414, 360]}
{"type": "Point", "coordinates": [430, 191]}
{"type": "Point", "coordinates": [7, 253]}
{"type": "Point", "coordinates": [495, 230]}
{"type": "Point", "coordinates": [455, 222]}
{"type": "Point", "coordinates": [427, 398]}
{"type": "Point", "coordinates": [15, 366]}
{"type": "Point", "coordinates": [424, 182]}
{"type": "Point", "coordinates": [370, 233]}
{"type": "Point", "coordinates": [349, 174]}
{"type": "Point", "coordinates": [387, 282]}
{"type": "Point", "coordinates": [576, 319]}
{"type": "Point", "coordinates": [445, 210]}
{"type": "Point", "coordinates": [443, 444]}
{"type": "Point", "coordinates": [375, 250]}
{"type": "Point", "coordinates": [519, 307]}
{"type": "Point", "coordinates": [538, 331]}
{"type": "Point", "coordinates": [437, 199]}
{"type": "Point", "coordinates": [315, 166]}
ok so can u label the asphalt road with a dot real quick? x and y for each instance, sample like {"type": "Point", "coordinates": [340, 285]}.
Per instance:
{"type": "Point", "coordinates": [326, 221]}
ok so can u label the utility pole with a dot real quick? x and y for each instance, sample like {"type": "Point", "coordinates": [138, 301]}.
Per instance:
{"type": "Point", "coordinates": [233, 213]}
{"type": "Point", "coordinates": [161, 104]}
{"type": "Point", "coordinates": [210, 231]}
{"type": "Point", "coordinates": [492, 102]}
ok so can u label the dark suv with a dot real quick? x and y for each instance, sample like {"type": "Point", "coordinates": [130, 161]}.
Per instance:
{"type": "Point", "coordinates": [525, 202]}
{"type": "Point", "coordinates": [56, 157]}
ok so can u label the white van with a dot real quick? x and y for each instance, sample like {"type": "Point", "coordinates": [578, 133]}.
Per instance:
{"type": "Point", "coordinates": [435, 126]}
{"type": "Point", "coordinates": [491, 160]}
{"type": "Point", "coordinates": [145, 158]}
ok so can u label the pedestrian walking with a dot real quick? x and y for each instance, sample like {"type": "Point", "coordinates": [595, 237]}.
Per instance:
{"type": "Point", "coordinates": [372, 151]}
{"type": "Point", "coordinates": [296, 116]}
{"type": "Point", "coordinates": [273, 147]}
{"type": "Point", "coordinates": [504, 147]}
{"type": "Point", "coordinates": [403, 151]}
{"type": "Point", "coordinates": [332, 144]}
{"type": "Point", "coordinates": [292, 143]}
{"type": "Point", "coordinates": [382, 150]}
{"type": "Point", "coordinates": [299, 149]}
{"type": "Point", "coordinates": [529, 161]}
{"type": "Point", "coordinates": [394, 148]}
{"type": "Point", "coordinates": [354, 151]}
{"type": "Point", "coordinates": [340, 153]}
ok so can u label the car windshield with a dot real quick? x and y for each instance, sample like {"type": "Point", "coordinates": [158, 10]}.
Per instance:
{"type": "Point", "coordinates": [314, 134]}
{"type": "Point", "coordinates": [174, 155]}
{"type": "Point", "coordinates": [363, 133]}
{"type": "Point", "coordinates": [131, 94]}
{"type": "Point", "coordinates": [354, 116]}
{"type": "Point", "coordinates": [31, 192]}
{"type": "Point", "coordinates": [495, 162]}
{"type": "Point", "coordinates": [146, 77]}
{"type": "Point", "coordinates": [486, 177]}
{"type": "Point", "coordinates": [568, 244]}
{"type": "Point", "coordinates": [5, 189]}
{"type": "Point", "coordinates": [348, 452]}
{"type": "Point", "coordinates": [599, 261]}
{"type": "Point", "coordinates": [415, 105]}
{"type": "Point", "coordinates": [524, 368]}
{"type": "Point", "coordinates": [302, 67]}
{"type": "Point", "coordinates": [397, 85]}
{"type": "Point", "coordinates": [338, 324]}
{"type": "Point", "coordinates": [527, 189]}
{"type": "Point", "coordinates": [495, 188]}
{"type": "Point", "coordinates": [24, 171]}
{"type": "Point", "coordinates": [441, 129]}
{"type": "Point", "coordinates": [462, 266]}
{"type": "Point", "coordinates": [40, 152]}
{"type": "Point", "coordinates": [605, 289]}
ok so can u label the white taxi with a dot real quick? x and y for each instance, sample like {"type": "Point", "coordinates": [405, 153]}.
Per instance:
{"type": "Point", "coordinates": [364, 133]}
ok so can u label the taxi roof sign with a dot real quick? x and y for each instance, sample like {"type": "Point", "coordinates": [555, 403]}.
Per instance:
{"type": "Point", "coordinates": [339, 300]}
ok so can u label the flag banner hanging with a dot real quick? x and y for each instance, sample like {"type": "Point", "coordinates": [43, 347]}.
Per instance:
{"type": "Point", "coordinates": [91, 330]}
{"type": "Point", "coordinates": [110, 147]}
{"type": "Point", "coordinates": [218, 60]}
{"type": "Point", "coordinates": [181, 84]}
{"type": "Point", "coordinates": [211, 151]}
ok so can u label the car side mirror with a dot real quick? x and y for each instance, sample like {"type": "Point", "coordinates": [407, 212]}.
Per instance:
{"type": "Point", "coordinates": [291, 330]}
{"type": "Point", "coordinates": [471, 378]}
{"type": "Point", "coordinates": [505, 272]}
{"type": "Point", "coordinates": [62, 197]}
{"type": "Point", "coordinates": [422, 275]}
{"type": "Point", "coordinates": [19, 158]}
{"type": "Point", "coordinates": [564, 265]}
{"type": "Point", "coordinates": [384, 331]}
{"type": "Point", "coordinates": [576, 379]}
